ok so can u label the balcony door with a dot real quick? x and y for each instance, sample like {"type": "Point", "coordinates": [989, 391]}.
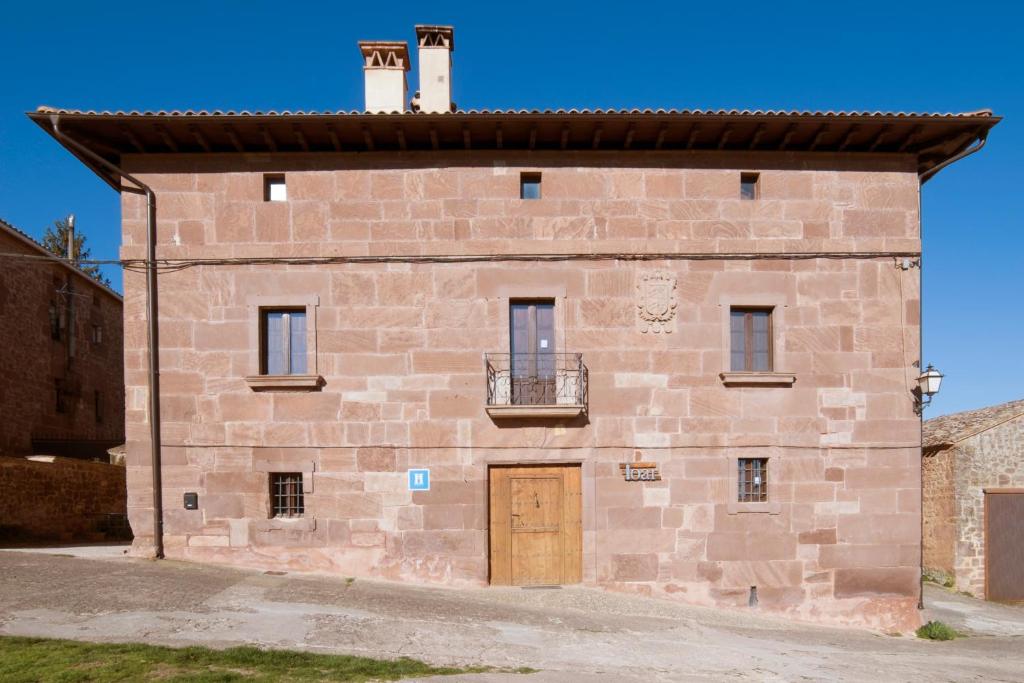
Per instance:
{"type": "Point", "coordinates": [532, 348]}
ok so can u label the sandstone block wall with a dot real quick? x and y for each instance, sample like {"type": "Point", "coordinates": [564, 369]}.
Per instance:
{"type": "Point", "coordinates": [62, 499]}
{"type": "Point", "coordinates": [31, 360]}
{"type": "Point", "coordinates": [939, 518]}
{"type": "Point", "coordinates": [400, 346]}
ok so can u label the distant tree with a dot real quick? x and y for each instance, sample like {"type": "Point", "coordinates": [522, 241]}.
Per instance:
{"type": "Point", "coordinates": [55, 241]}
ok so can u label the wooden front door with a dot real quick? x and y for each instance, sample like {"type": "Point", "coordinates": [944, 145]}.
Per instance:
{"type": "Point", "coordinates": [535, 528]}
{"type": "Point", "coordinates": [1004, 545]}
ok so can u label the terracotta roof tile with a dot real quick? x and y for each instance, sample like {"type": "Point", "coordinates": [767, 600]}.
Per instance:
{"type": "Point", "coordinates": [949, 429]}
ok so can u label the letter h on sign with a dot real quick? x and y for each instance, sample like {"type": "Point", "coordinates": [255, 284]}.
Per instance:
{"type": "Point", "coordinates": [419, 480]}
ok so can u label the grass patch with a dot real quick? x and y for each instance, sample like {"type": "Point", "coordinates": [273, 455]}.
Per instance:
{"type": "Point", "coordinates": [936, 630]}
{"type": "Point", "coordinates": [69, 661]}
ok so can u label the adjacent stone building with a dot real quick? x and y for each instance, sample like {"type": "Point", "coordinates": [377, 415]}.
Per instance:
{"type": "Point", "coordinates": [663, 352]}
{"type": "Point", "coordinates": [974, 500]}
{"type": "Point", "coordinates": [61, 359]}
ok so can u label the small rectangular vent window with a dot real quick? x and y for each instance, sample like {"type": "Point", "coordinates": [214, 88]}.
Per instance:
{"type": "Point", "coordinates": [749, 185]}
{"type": "Point", "coordinates": [274, 188]}
{"type": "Point", "coordinates": [529, 186]}
{"type": "Point", "coordinates": [753, 480]}
{"type": "Point", "coordinates": [286, 498]}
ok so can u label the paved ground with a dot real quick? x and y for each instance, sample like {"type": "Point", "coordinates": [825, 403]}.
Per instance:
{"type": "Point", "coordinates": [570, 634]}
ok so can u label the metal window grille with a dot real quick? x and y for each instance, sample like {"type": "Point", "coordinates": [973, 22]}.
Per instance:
{"type": "Point", "coordinates": [753, 480]}
{"type": "Point", "coordinates": [286, 498]}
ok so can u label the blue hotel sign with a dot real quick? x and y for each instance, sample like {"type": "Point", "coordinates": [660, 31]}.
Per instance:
{"type": "Point", "coordinates": [419, 480]}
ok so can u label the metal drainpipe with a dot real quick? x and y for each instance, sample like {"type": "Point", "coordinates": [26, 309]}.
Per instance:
{"type": "Point", "coordinates": [153, 329]}
{"type": "Point", "coordinates": [923, 178]}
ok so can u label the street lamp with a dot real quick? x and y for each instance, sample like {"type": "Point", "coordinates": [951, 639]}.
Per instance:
{"type": "Point", "coordinates": [927, 386]}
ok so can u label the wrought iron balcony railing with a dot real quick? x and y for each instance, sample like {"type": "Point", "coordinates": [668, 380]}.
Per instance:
{"type": "Point", "coordinates": [536, 384]}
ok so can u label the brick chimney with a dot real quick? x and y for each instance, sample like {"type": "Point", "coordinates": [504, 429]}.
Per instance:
{"type": "Point", "coordinates": [436, 44]}
{"type": "Point", "coordinates": [384, 67]}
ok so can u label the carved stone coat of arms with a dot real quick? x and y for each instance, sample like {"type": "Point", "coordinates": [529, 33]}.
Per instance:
{"type": "Point", "coordinates": [656, 302]}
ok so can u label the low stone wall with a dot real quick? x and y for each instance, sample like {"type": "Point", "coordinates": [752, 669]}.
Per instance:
{"type": "Point", "coordinates": [61, 499]}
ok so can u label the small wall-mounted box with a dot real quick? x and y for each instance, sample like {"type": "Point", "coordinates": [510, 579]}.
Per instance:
{"type": "Point", "coordinates": [191, 501]}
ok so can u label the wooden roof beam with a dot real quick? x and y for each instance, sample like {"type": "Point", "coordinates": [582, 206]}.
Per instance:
{"type": "Point", "coordinates": [822, 129]}
{"type": "Point", "coordinates": [787, 136]}
{"type": "Point", "coordinates": [660, 140]}
{"type": "Point", "coordinates": [434, 142]}
{"type": "Point", "coordinates": [166, 137]}
{"type": "Point", "coordinates": [368, 139]}
{"type": "Point", "coordinates": [911, 138]}
{"type": "Point", "coordinates": [564, 142]}
{"type": "Point", "coordinates": [726, 134]}
{"type": "Point", "coordinates": [533, 137]}
{"type": "Point", "coordinates": [878, 138]}
{"type": "Point", "coordinates": [333, 136]}
{"type": "Point", "coordinates": [758, 134]}
{"type": "Point", "coordinates": [400, 135]}
{"type": "Point", "coordinates": [300, 137]}
{"type": "Point", "coordinates": [595, 142]}
{"type": "Point", "coordinates": [268, 139]}
{"type": "Point", "coordinates": [233, 137]}
{"type": "Point", "coordinates": [200, 138]}
{"type": "Point", "coordinates": [691, 139]}
{"type": "Point", "coordinates": [630, 132]}
{"type": "Point", "coordinates": [467, 140]}
{"type": "Point", "coordinates": [499, 140]}
{"type": "Point", "coordinates": [131, 138]}
{"type": "Point", "coordinates": [848, 137]}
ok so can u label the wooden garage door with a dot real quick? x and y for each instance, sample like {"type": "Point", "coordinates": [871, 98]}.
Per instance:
{"type": "Point", "coordinates": [536, 534]}
{"type": "Point", "coordinates": [1004, 545]}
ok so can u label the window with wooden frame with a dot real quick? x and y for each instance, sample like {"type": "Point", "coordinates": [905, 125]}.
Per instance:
{"type": "Point", "coordinates": [753, 480]}
{"type": "Point", "coordinates": [274, 188]}
{"type": "Point", "coordinates": [749, 185]}
{"type": "Point", "coordinates": [286, 497]}
{"type": "Point", "coordinates": [532, 359]}
{"type": "Point", "coordinates": [750, 336]}
{"type": "Point", "coordinates": [529, 185]}
{"type": "Point", "coordinates": [283, 341]}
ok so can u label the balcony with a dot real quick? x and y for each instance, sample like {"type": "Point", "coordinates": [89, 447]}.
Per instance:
{"type": "Point", "coordinates": [548, 385]}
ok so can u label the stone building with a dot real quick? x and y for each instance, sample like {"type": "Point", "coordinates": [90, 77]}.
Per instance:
{"type": "Point", "coordinates": [973, 500]}
{"type": "Point", "coordinates": [61, 360]}
{"type": "Point", "coordinates": [670, 353]}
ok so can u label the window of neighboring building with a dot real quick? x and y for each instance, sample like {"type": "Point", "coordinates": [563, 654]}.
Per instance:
{"type": "Point", "coordinates": [283, 341]}
{"type": "Point", "coordinates": [529, 186]}
{"type": "Point", "coordinates": [54, 322]}
{"type": "Point", "coordinates": [98, 405]}
{"type": "Point", "coordinates": [97, 334]}
{"type": "Point", "coordinates": [750, 332]}
{"type": "Point", "coordinates": [60, 403]}
{"type": "Point", "coordinates": [286, 497]}
{"type": "Point", "coordinates": [274, 188]}
{"type": "Point", "coordinates": [753, 480]}
{"type": "Point", "coordinates": [749, 185]}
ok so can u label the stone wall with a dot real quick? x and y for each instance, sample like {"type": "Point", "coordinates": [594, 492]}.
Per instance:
{"type": "Point", "coordinates": [32, 361]}
{"type": "Point", "coordinates": [939, 518]}
{"type": "Point", "coordinates": [992, 459]}
{"type": "Point", "coordinates": [400, 347]}
{"type": "Point", "coordinates": [61, 499]}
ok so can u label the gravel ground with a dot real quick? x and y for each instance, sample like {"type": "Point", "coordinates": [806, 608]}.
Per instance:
{"type": "Point", "coordinates": [572, 634]}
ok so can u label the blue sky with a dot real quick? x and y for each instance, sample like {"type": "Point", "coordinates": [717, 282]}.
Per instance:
{"type": "Point", "coordinates": [274, 55]}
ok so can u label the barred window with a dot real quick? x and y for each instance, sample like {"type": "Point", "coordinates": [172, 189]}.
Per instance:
{"type": "Point", "coordinates": [286, 499]}
{"type": "Point", "coordinates": [753, 480]}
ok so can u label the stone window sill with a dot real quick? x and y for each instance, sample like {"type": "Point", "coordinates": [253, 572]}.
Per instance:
{"type": "Point", "coordinates": [285, 524]}
{"type": "Point", "coordinates": [754, 508]}
{"type": "Point", "coordinates": [758, 379]}
{"type": "Point", "coordinates": [284, 382]}
{"type": "Point", "coordinates": [551, 411]}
